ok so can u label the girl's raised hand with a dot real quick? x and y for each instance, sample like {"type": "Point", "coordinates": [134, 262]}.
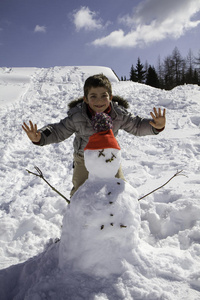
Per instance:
{"type": "Point", "coordinates": [32, 132]}
{"type": "Point", "coordinates": [159, 119]}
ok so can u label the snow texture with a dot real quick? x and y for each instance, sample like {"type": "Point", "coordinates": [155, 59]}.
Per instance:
{"type": "Point", "coordinates": [157, 256]}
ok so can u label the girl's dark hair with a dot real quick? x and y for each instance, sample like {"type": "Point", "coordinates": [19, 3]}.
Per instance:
{"type": "Point", "coordinates": [98, 80]}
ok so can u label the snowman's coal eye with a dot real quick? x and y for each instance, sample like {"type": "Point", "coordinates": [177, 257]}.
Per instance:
{"type": "Point", "coordinates": [101, 153]}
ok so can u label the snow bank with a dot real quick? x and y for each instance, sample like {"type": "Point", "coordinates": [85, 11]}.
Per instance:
{"type": "Point", "coordinates": [14, 82]}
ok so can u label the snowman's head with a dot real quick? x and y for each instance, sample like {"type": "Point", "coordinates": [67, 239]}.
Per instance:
{"type": "Point", "coordinates": [102, 163]}
{"type": "Point", "coordinates": [102, 153]}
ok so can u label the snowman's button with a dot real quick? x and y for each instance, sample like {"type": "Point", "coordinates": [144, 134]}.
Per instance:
{"type": "Point", "coordinates": [122, 226]}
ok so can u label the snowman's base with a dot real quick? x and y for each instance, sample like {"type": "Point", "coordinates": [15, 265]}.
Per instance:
{"type": "Point", "coordinates": [100, 227]}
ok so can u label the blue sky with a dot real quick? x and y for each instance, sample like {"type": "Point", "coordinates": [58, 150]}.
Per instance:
{"type": "Point", "coordinates": [111, 33]}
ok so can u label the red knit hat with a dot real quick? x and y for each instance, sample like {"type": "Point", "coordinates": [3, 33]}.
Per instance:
{"type": "Point", "coordinates": [102, 140]}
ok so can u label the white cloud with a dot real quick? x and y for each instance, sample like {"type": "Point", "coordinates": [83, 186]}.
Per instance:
{"type": "Point", "coordinates": [39, 28]}
{"type": "Point", "coordinates": [86, 19]}
{"type": "Point", "coordinates": [152, 21]}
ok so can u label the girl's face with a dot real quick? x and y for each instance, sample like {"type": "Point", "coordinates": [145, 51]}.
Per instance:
{"type": "Point", "coordinates": [98, 99]}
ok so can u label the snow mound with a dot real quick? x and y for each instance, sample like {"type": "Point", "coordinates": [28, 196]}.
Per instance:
{"type": "Point", "coordinates": [100, 228]}
{"type": "Point", "coordinates": [14, 82]}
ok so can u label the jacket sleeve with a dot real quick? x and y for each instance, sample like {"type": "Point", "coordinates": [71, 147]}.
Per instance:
{"type": "Point", "coordinates": [137, 126]}
{"type": "Point", "coordinates": [56, 133]}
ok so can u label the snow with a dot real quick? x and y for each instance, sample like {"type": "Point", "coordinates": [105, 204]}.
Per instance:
{"type": "Point", "coordinates": [161, 259]}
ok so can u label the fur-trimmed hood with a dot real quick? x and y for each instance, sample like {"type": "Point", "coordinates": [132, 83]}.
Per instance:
{"type": "Point", "coordinates": [121, 101]}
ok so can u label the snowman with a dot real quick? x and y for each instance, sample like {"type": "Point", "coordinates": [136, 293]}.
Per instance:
{"type": "Point", "coordinates": [101, 224]}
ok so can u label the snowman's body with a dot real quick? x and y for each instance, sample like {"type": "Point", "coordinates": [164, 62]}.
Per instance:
{"type": "Point", "coordinates": [100, 227]}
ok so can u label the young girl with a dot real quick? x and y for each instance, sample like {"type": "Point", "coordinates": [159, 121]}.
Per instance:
{"type": "Point", "coordinates": [97, 98]}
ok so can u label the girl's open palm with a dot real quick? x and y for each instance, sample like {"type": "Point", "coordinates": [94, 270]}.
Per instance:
{"type": "Point", "coordinates": [32, 132]}
{"type": "Point", "coordinates": [158, 118]}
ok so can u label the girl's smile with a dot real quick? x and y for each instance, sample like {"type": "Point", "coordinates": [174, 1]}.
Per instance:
{"type": "Point", "coordinates": [98, 99]}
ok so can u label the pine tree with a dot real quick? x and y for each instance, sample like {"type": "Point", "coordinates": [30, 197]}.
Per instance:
{"type": "Point", "coordinates": [133, 76]}
{"type": "Point", "coordinates": [152, 77]}
{"type": "Point", "coordinates": [140, 72]}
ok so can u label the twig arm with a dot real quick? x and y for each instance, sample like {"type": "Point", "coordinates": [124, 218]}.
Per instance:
{"type": "Point", "coordinates": [177, 174]}
{"type": "Point", "coordinates": [41, 176]}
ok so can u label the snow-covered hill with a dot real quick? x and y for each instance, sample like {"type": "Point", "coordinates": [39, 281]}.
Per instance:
{"type": "Point", "coordinates": [167, 263]}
